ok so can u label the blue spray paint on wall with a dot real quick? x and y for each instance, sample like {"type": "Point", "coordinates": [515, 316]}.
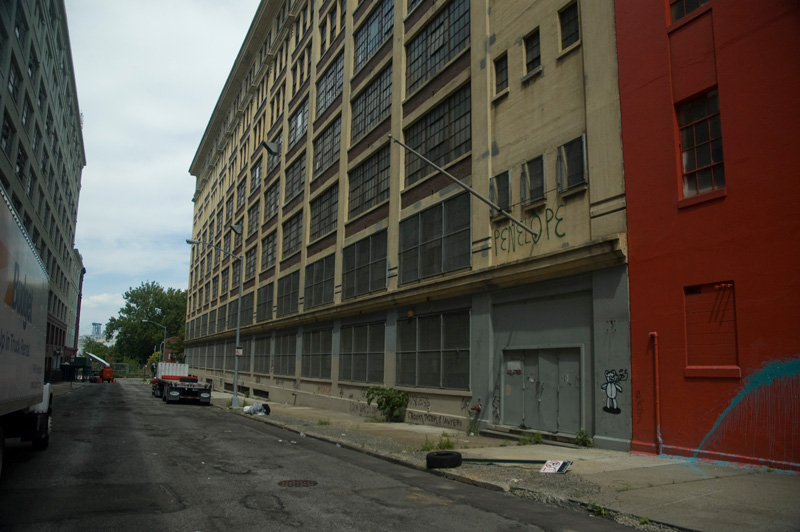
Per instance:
{"type": "Point", "coordinates": [765, 378]}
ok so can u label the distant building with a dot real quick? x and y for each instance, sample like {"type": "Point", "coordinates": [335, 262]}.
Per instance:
{"type": "Point", "coordinates": [714, 260]}
{"type": "Point", "coordinates": [97, 329]}
{"type": "Point", "coordinates": [363, 265]}
{"type": "Point", "coordinates": [42, 154]}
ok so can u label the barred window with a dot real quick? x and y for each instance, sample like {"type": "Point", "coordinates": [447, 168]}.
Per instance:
{"type": "Point", "coordinates": [221, 317]}
{"type": "Point", "coordinates": [533, 52]}
{"type": "Point", "coordinates": [296, 178]}
{"type": "Point", "coordinates": [569, 25]}
{"type": "Point", "coordinates": [326, 146]}
{"type": "Point", "coordinates": [532, 182]}
{"type": "Point", "coordinates": [292, 235]}
{"type": "Point", "coordinates": [433, 351]}
{"type": "Point", "coordinates": [361, 353]}
{"type": "Point", "coordinates": [261, 355]}
{"type": "Point", "coordinates": [233, 311]}
{"type": "Point", "coordinates": [288, 293]}
{"type": "Point", "coordinates": [435, 241]}
{"type": "Point", "coordinates": [438, 42]}
{"type": "Point", "coordinates": [364, 266]}
{"type": "Point", "coordinates": [272, 199]}
{"type": "Point", "coordinates": [316, 358]}
{"type": "Point", "coordinates": [247, 309]}
{"type": "Point", "coordinates": [266, 298]}
{"type": "Point", "coordinates": [275, 160]}
{"type": "Point", "coordinates": [372, 105]}
{"type": "Point", "coordinates": [298, 124]}
{"type": "Point", "coordinates": [324, 211]}
{"type": "Point", "coordinates": [250, 259]}
{"type": "Point", "coordinates": [571, 164]}
{"type": "Point", "coordinates": [371, 35]}
{"type": "Point", "coordinates": [329, 85]}
{"type": "Point", "coordinates": [253, 218]}
{"type": "Point", "coordinates": [285, 354]}
{"type": "Point", "coordinates": [369, 183]}
{"type": "Point", "coordinates": [268, 251]}
{"type": "Point", "coordinates": [443, 135]}
{"type": "Point", "coordinates": [319, 282]}
{"type": "Point", "coordinates": [212, 322]}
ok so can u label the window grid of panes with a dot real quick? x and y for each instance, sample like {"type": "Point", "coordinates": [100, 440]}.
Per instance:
{"type": "Point", "coordinates": [285, 354]}
{"type": "Point", "coordinates": [326, 146]}
{"type": "Point", "coordinates": [298, 124]}
{"type": "Point", "coordinates": [264, 303]}
{"type": "Point", "coordinates": [316, 358]}
{"type": "Point", "coordinates": [324, 212]}
{"type": "Point", "coordinates": [329, 85]}
{"type": "Point", "coordinates": [295, 178]}
{"type": "Point", "coordinates": [372, 105]}
{"type": "Point", "coordinates": [292, 235]}
{"type": "Point", "coordinates": [372, 34]}
{"type": "Point", "coordinates": [361, 353]}
{"type": "Point", "coordinates": [319, 282]}
{"type": "Point", "coordinates": [364, 266]}
{"type": "Point", "coordinates": [288, 294]}
{"type": "Point", "coordinates": [369, 183]}
{"type": "Point", "coordinates": [433, 351]}
{"type": "Point", "coordinates": [268, 251]}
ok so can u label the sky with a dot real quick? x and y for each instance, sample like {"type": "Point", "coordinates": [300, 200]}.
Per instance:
{"type": "Point", "coordinates": [149, 73]}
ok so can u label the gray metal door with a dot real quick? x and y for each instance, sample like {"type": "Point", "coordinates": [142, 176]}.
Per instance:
{"type": "Point", "coordinates": [542, 389]}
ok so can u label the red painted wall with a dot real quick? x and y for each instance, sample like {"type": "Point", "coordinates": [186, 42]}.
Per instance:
{"type": "Point", "coordinates": [749, 234]}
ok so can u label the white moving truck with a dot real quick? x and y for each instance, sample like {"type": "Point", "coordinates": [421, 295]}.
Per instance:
{"type": "Point", "coordinates": [25, 400]}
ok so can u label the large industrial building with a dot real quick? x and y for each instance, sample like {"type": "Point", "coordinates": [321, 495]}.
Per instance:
{"type": "Point", "coordinates": [42, 154]}
{"type": "Point", "coordinates": [360, 264]}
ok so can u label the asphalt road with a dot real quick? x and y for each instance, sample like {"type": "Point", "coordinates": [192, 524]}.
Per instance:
{"type": "Point", "coordinates": [122, 460]}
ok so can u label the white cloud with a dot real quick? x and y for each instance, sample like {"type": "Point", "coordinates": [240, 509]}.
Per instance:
{"type": "Point", "coordinates": [149, 74]}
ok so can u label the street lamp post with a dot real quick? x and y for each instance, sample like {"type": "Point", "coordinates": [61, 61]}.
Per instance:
{"type": "Point", "coordinates": [163, 349]}
{"type": "Point", "coordinates": [238, 229]}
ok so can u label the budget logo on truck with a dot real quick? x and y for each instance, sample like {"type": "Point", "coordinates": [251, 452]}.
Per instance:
{"type": "Point", "coordinates": [19, 298]}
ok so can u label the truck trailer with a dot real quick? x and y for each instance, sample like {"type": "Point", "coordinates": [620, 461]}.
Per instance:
{"type": "Point", "coordinates": [25, 399]}
{"type": "Point", "coordinates": [172, 383]}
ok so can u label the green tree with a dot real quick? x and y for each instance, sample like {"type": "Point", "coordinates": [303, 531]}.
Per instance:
{"type": "Point", "coordinates": [135, 337]}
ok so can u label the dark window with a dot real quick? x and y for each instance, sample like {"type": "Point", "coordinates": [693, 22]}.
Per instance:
{"type": "Point", "coordinates": [329, 85]}
{"type": "Point", "coordinates": [324, 211]}
{"type": "Point", "coordinates": [292, 235]}
{"type": "Point", "coordinates": [319, 282]}
{"type": "Point", "coordinates": [570, 27]}
{"type": "Point", "coordinates": [372, 105]}
{"type": "Point", "coordinates": [272, 199]}
{"type": "Point", "coordinates": [255, 177]}
{"type": "Point", "coordinates": [247, 311]}
{"type": "Point", "coordinates": [701, 145]}
{"type": "Point", "coordinates": [369, 183]}
{"type": "Point", "coordinates": [361, 353]}
{"type": "Point", "coordinates": [500, 191]}
{"type": "Point", "coordinates": [253, 218]}
{"type": "Point", "coordinates": [435, 241]}
{"type": "Point", "coordinates": [433, 351]}
{"type": "Point", "coordinates": [275, 160]}
{"type": "Point", "coordinates": [501, 74]}
{"type": "Point", "coordinates": [288, 294]}
{"type": "Point", "coordinates": [326, 147]}
{"type": "Point", "coordinates": [316, 357]}
{"type": "Point", "coordinates": [268, 251]}
{"type": "Point", "coordinates": [261, 356]}
{"type": "Point", "coordinates": [375, 30]}
{"type": "Point", "coordinates": [298, 124]}
{"type": "Point", "coordinates": [437, 43]}
{"type": "Point", "coordinates": [364, 266]}
{"type": "Point", "coordinates": [681, 8]}
{"type": "Point", "coordinates": [296, 178]}
{"type": "Point", "coordinates": [571, 164]}
{"type": "Point", "coordinates": [533, 180]}
{"type": "Point", "coordinates": [285, 354]}
{"type": "Point", "coordinates": [266, 296]}
{"type": "Point", "coordinates": [443, 135]}
{"type": "Point", "coordinates": [533, 52]}
{"type": "Point", "coordinates": [250, 259]}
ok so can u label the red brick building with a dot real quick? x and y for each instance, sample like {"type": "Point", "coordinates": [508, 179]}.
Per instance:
{"type": "Point", "coordinates": [714, 261]}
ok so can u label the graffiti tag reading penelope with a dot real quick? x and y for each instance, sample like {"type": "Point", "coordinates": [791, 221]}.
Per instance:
{"type": "Point", "coordinates": [510, 238]}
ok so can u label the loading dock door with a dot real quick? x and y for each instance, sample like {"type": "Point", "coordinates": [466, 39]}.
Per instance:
{"type": "Point", "coordinates": [542, 389]}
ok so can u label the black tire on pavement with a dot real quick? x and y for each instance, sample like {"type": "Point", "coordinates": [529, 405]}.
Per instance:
{"type": "Point", "coordinates": [443, 459]}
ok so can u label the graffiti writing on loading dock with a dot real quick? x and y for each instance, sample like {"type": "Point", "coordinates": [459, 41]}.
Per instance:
{"type": "Point", "coordinates": [546, 224]}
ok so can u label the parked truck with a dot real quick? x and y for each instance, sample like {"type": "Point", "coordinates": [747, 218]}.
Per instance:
{"type": "Point", "coordinates": [25, 399]}
{"type": "Point", "coordinates": [173, 383]}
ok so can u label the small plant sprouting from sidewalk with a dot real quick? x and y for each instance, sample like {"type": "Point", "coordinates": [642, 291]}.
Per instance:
{"type": "Point", "coordinates": [530, 439]}
{"type": "Point", "coordinates": [390, 402]}
{"type": "Point", "coordinates": [324, 422]}
{"type": "Point", "coordinates": [644, 521]}
{"type": "Point", "coordinates": [375, 419]}
{"type": "Point", "coordinates": [427, 446]}
{"type": "Point", "coordinates": [582, 439]}
{"type": "Point", "coordinates": [445, 443]}
{"type": "Point", "coordinates": [598, 510]}
{"type": "Point", "coordinates": [242, 405]}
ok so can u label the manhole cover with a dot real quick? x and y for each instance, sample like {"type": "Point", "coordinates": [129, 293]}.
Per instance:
{"type": "Point", "coordinates": [297, 483]}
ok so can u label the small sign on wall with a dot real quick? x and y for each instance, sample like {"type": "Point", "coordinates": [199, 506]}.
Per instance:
{"type": "Point", "coordinates": [514, 367]}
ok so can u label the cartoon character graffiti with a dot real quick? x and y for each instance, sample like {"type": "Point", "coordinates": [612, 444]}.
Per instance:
{"type": "Point", "coordinates": [612, 387]}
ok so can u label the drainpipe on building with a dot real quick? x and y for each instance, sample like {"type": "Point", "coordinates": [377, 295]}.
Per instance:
{"type": "Point", "coordinates": [659, 442]}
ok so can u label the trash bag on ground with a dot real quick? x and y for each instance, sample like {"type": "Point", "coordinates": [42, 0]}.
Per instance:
{"type": "Point", "coordinates": [257, 409]}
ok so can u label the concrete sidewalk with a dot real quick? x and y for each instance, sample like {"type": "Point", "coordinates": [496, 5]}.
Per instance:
{"type": "Point", "coordinates": [636, 489]}
{"type": "Point", "coordinates": [677, 492]}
